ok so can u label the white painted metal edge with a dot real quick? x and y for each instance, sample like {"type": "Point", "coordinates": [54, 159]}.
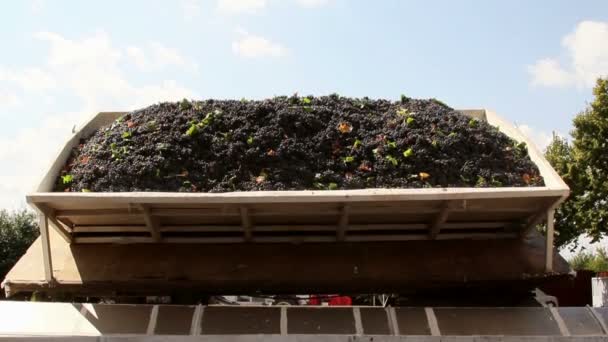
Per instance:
{"type": "Point", "coordinates": [303, 196]}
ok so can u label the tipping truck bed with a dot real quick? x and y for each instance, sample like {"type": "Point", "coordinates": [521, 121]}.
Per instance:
{"type": "Point", "coordinates": [361, 222]}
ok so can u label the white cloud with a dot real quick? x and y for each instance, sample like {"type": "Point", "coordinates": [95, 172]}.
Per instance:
{"type": "Point", "coordinates": [240, 6]}
{"type": "Point", "coordinates": [587, 58]}
{"type": "Point", "coordinates": [548, 72]}
{"type": "Point", "coordinates": [540, 138]}
{"type": "Point", "coordinates": [93, 50]}
{"type": "Point", "coordinates": [191, 9]}
{"type": "Point", "coordinates": [236, 6]}
{"type": "Point", "coordinates": [312, 3]}
{"type": "Point", "coordinates": [37, 6]}
{"type": "Point", "coordinates": [252, 46]}
{"type": "Point", "coordinates": [89, 69]}
{"type": "Point", "coordinates": [8, 100]}
{"type": "Point", "coordinates": [156, 56]}
{"type": "Point", "coordinates": [28, 78]}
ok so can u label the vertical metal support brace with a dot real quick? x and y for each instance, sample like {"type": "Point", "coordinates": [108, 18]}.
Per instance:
{"type": "Point", "coordinates": [392, 321]}
{"type": "Point", "coordinates": [152, 222]}
{"type": "Point", "coordinates": [283, 323]}
{"type": "Point", "coordinates": [246, 223]}
{"type": "Point", "coordinates": [549, 242]}
{"type": "Point", "coordinates": [46, 247]}
{"type": "Point", "coordinates": [358, 322]}
{"type": "Point", "coordinates": [599, 319]}
{"type": "Point", "coordinates": [343, 223]}
{"type": "Point", "coordinates": [153, 319]}
{"type": "Point", "coordinates": [563, 329]}
{"type": "Point", "coordinates": [197, 318]}
{"type": "Point", "coordinates": [432, 320]}
{"type": "Point", "coordinates": [442, 216]}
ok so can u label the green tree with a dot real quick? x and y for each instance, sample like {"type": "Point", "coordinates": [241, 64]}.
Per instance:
{"type": "Point", "coordinates": [590, 163]}
{"type": "Point", "coordinates": [584, 260]}
{"type": "Point", "coordinates": [583, 165]}
{"type": "Point", "coordinates": [559, 154]}
{"type": "Point", "coordinates": [17, 232]}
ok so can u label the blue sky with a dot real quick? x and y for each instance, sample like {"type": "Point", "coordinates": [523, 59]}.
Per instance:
{"type": "Point", "coordinates": [62, 61]}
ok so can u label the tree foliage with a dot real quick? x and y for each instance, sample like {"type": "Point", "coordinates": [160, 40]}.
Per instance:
{"type": "Point", "coordinates": [17, 232]}
{"type": "Point", "coordinates": [590, 147]}
{"type": "Point", "coordinates": [559, 154]}
{"type": "Point", "coordinates": [583, 165]}
{"type": "Point", "coordinates": [584, 260]}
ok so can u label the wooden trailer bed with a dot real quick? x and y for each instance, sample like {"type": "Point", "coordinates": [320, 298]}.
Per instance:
{"type": "Point", "coordinates": [345, 216]}
{"type": "Point", "coordinates": [503, 267]}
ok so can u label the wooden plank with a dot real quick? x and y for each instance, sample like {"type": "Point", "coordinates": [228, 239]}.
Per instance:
{"type": "Point", "coordinates": [202, 228]}
{"type": "Point", "coordinates": [66, 223]}
{"type": "Point", "coordinates": [474, 225]}
{"type": "Point", "coordinates": [294, 239]}
{"type": "Point", "coordinates": [369, 235]}
{"type": "Point", "coordinates": [342, 223]}
{"type": "Point", "coordinates": [257, 239]}
{"type": "Point", "coordinates": [96, 212]}
{"type": "Point", "coordinates": [288, 228]}
{"type": "Point", "coordinates": [206, 220]}
{"type": "Point", "coordinates": [223, 210]}
{"type": "Point", "coordinates": [538, 218]}
{"type": "Point", "coordinates": [477, 236]}
{"type": "Point", "coordinates": [246, 223]}
{"type": "Point", "coordinates": [441, 217]}
{"type": "Point", "coordinates": [532, 222]}
{"type": "Point", "coordinates": [114, 220]}
{"type": "Point", "coordinates": [61, 229]}
{"type": "Point", "coordinates": [358, 222]}
{"type": "Point", "coordinates": [46, 247]}
{"type": "Point", "coordinates": [152, 222]}
{"type": "Point", "coordinates": [58, 227]}
{"type": "Point", "coordinates": [303, 196]}
{"type": "Point", "coordinates": [212, 240]}
{"type": "Point", "coordinates": [112, 229]}
{"type": "Point", "coordinates": [418, 237]}
{"type": "Point", "coordinates": [324, 228]}
{"type": "Point", "coordinates": [475, 216]}
{"type": "Point", "coordinates": [409, 226]}
{"type": "Point", "coordinates": [115, 239]}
